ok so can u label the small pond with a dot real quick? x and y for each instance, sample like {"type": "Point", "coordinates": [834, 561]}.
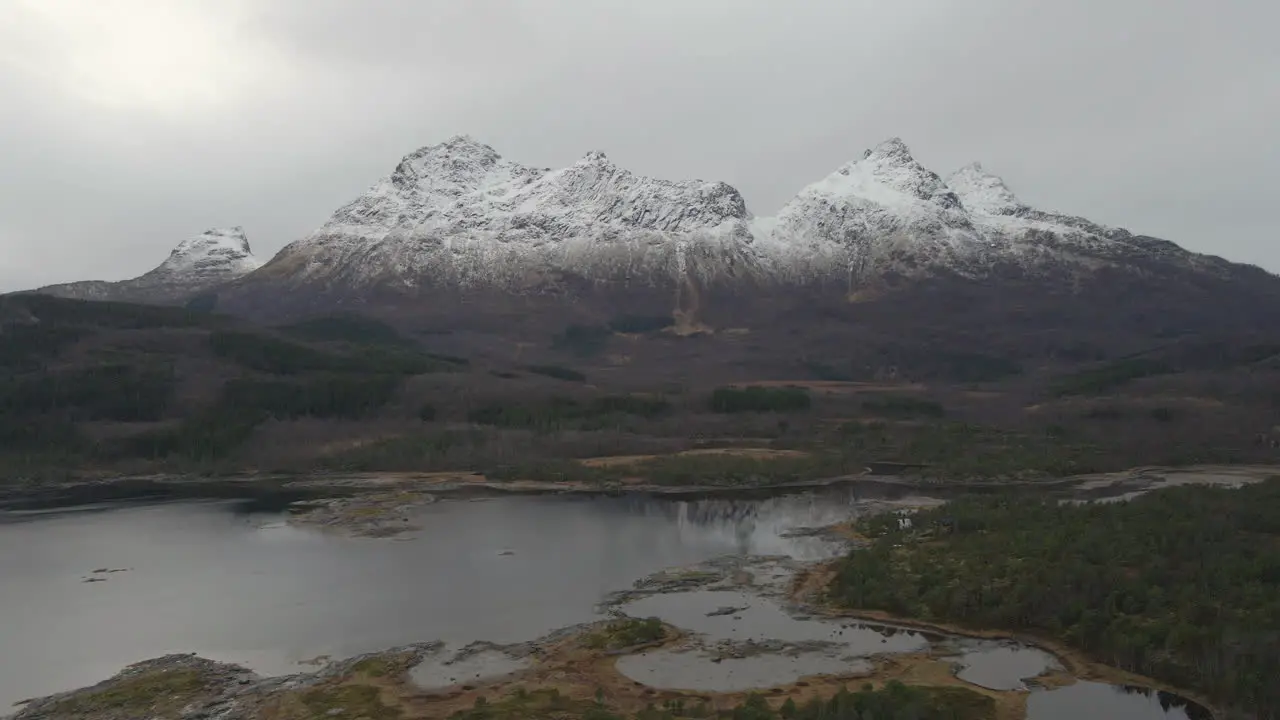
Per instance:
{"type": "Point", "coordinates": [1099, 701]}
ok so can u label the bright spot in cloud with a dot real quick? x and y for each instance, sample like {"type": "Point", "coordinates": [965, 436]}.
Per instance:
{"type": "Point", "coordinates": [166, 56]}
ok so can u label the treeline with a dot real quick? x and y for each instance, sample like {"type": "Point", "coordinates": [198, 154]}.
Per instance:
{"type": "Point", "coordinates": [894, 701]}
{"type": "Point", "coordinates": [1110, 376]}
{"type": "Point", "coordinates": [342, 366]}
{"type": "Point", "coordinates": [448, 449]}
{"type": "Point", "coordinates": [40, 411]}
{"type": "Point", "coordinates": [561, 413]}
{"type": "Point", "coordinates": [966, 451]}
{"type": "Point", "coordinates": [355, 329]}
{"type": "Point", "coordinates": [1207, 355]}
{"type": "Point", "coordinates": [557, 372]}
{"type": "Point", "coordinates": [26, 347]}
{"type": "Point", "coordinates": [759, 399]}
{"type": "Point", "coordinates": [329, 396]}
{"type": "Point", "coordinates": [924, 363]}
{"type": "Point", "coordinates": [588, 340]}
{"type": "Point", "coordinates": [282, 357]}
{"type": "Point", "coordinates": [35, 329]}
{"type": "Point", "coordinates": [903, 407]}
{"type": "Point", "coordinates": [635, 324]}
{"type": "Point", "coordinates": [126, 393]}
{"type": "Point", "coordinates": [245, 403]}
{"type": "Point", "coordinates": [1182, 584]}
{"type": "Point", "coordinates": [701, 469]}
{"type": "Point", "coordinates": [101, 314]}
{"type": "Point", "coordinates": [582, 340]}
{"type": "Point", "coordinates": [206, 437]}
{"type": "Point", "coordinates": [741, 470]}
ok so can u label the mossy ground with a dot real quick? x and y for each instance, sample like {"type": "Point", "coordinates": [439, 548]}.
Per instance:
{"type": "Point", "coordinates": [626, 633]}
{"type": "Point", "coordinates": [155, 694]}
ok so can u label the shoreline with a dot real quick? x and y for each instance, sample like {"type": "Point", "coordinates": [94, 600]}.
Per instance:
{"type": "Point", "coordinates": [282, 488]}
{"type": "Point", "coordinates": [564, 663]}
{"type": "Point", "coordinates": [1077, 665]}
{"type": "Point", "coordinates": [460, 485]}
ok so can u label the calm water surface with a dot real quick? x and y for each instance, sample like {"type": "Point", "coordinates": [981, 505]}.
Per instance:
{"type": "Point", "coordinates": [1004, 666]}
{"type": "Point", "coordinates": [214, 579]}
{"type": "Point", "coordinates": [244, 587]}
{"type": "Point", "coordinates": [1098, 701]}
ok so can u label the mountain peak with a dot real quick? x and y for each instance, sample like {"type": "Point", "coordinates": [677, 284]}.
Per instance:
{"type": "Point", "coordinates": [429, 179]}
{"type": "Point", "coordinates": [232, 237]}
{"type": "Point", "coordinates": [893, 149]}
{"type": "Point", "coordinates": [215, 256]}
{"type": "Point", "coordinates": [983, 192]}
{"type": "Point", "coordinates": [218, 250]}
{"type": "Point", "coordinates": [884, 172]}
{"type": "Point", "coordinates": [458, 151]}
{"type": "Point", "coordinates": [462, 142]}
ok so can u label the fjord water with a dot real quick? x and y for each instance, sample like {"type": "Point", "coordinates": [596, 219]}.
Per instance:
{"type": "Point", "coordinates": [245, 587]}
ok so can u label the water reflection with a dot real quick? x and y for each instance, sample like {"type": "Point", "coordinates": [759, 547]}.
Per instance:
{"type": "Point", "coordinates": [742, 640]}
{"type": "Point", "coordinates": [1099, 701]}
{"type": "Point", "coordinates": [698, 671]}
{"type": "Point", "coordinates": [1003, 666]}
{"type": "Point", "coordinates": [753, 618]}
{"type": "Point", "coordinates": [234, 582]}
{"type": "Point", "coordinates": [1170, 702]}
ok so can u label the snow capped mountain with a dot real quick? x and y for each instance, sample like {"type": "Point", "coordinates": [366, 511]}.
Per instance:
{"type": "Point", "coordinates": [211, 257]}
{"type": "Point", "coordinates": [197, 264]}
{"type": "Point", "coordinates": [457, 213]}
{"type": "Point", "coordinates": [984, 193]}
{"type": "Point", "coordinates": [990, 201]}
{"type": "Point", "coordinates": [868, 214]}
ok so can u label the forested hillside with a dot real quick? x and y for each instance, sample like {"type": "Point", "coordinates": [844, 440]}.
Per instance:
{"type": "Point", "coordinates": [94, 387]}
{"type": "Point", "coordinates": [86, 384]}
{"type": "Point", "coordinates": [1182, 585]}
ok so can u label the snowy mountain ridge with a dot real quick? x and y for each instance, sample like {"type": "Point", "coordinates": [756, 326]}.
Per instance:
{"type": "Point", "coordinates": [459, 214]}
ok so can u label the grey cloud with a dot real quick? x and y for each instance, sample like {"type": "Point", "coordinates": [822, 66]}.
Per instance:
{"type": "Point", "coordinates": [1153, 115]}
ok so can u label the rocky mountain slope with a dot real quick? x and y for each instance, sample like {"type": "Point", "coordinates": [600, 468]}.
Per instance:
{"type": "Point", "coordinates": [197, 264]}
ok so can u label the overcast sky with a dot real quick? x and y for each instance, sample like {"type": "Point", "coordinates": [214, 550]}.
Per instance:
{"type": "Point", "coordinates": [127, 125]}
